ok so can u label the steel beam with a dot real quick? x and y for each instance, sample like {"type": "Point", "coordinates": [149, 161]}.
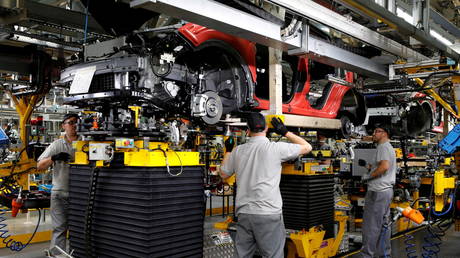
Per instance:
{"type": "Point", "coordinates": [321, 14]}
{"type": "Point", "coordinates": [28, 38]}
{"type": "Point", "coordinates": [221, 17]}
{"type": "Point", "coordinates": [444, 23]}
{"type": "Point", "coordinates": [311, 122]}
{"type": "Point", "coordinates": [377, 11]}
{"type": "Point", "coordinates": [61, 16]}
{"type": "Point", "coordinates": [31, 39]}
{"type": "Point", "coordinates": [275, 81]}
{"type": "Point", "coordinates": [322, 52]}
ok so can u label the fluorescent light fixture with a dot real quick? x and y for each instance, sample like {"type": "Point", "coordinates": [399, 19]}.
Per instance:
{"type": "Point", "coordinates": [325, 29]}
{"type": "Point", "coordinates": [441, 38]}
{"type": "Point", "coordinates": [406, 16]}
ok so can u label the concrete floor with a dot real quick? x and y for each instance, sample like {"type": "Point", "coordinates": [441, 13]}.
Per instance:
{"type": "Point", "coordinates": [25, 223]}
{"type": "Point", "coordinates": [449, 247]}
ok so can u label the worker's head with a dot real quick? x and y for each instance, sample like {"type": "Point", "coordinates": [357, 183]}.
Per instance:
{"type": "Point", "coordinates": [381, 134]}
{"type": "Point", "coordinates": [256, 123]}
{"type": "Point", "coordinates": [69, 124]}
{"type": "Point", "coordinates": [321, 137]}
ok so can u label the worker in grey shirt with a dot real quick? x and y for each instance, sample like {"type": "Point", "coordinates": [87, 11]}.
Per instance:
{"type": "Point", "coordinates": [257, 165]}
{"type": "Point", "coordinates": [376, 217]}
{"type": "Point", "coordinates": [58, 154]}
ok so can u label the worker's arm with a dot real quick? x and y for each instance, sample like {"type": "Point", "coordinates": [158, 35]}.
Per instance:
{"type": "Point", "coordinates": [44, 163]}
{"type": "Point", "coordinates": [48, 157]}
{"type": "Point", "coordinates": [224, 161]}
{"type": "Point", "coordinates": [305, 147]}
{"type": "Point", "coordinates": [229, 145]}
{"type": "Point", "coordinates": [382, 167]}
{"type": "Point", "coordinates": [281, 129]}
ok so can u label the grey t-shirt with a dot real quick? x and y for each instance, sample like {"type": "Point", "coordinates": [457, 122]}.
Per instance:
{"type": "Point", "coordinates": [384, 152]}
{"type": "Point", "coordinates": [60, 168]}
{"type": "Point", "coordinates": [257, 165]}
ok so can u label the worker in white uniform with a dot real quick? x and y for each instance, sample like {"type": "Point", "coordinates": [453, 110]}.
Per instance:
{"type": "Point", "coordinates": [57, 155]}
{"type": "Point", "coordinates": [381, 177]}
{"type": "Point", "coordinates": [257, 165]}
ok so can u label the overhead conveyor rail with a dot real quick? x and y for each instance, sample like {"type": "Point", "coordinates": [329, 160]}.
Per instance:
{"type": "Point", "coordinates": [321, 14]}
{"type": "Point", "coordinates": [222, 17]}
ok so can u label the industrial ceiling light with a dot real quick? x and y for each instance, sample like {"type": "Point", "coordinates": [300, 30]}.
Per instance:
{"type": "Point", "coordinates": [406, 16]}
{"type": "Point", "coordinates": [439, 37]}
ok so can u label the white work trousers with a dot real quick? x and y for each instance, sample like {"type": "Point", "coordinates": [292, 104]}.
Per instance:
{"type": "Point", "coordinates": [59, 211]}
{"type": "Point", "coordinates": [263, 232]}
{"type": "Point", "coordinates": [376, 224]}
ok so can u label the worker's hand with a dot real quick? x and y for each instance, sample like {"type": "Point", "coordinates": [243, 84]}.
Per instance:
{"type": "Point", "coordinates": [369, 167]}
{"type": "Point", "coordinates": [63, 156]}
{"type": "Point", "coordinates": [229, 144]}
{"type": "Point", "coordinates": [279, 127]}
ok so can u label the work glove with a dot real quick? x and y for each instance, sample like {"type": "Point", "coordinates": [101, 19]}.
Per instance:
{"type": "Point", "coordinates": [362, 162]}
{"type": "Point", "coordinates": [279, 127]}
{"type": "Point", "coordinates": [229, 144]}
{"type": "Point", "coordinates": [63, 156]}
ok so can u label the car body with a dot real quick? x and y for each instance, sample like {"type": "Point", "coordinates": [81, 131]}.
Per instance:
{"type": "Point", "coordinates": [336, 100]}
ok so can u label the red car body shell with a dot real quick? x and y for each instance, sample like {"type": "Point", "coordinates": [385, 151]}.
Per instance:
{"type": "Point", "coordinates": [299, 104]}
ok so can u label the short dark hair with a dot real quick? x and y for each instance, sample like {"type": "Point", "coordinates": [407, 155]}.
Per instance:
{"type": "Point", "coordinates": [385, 128]}
{"type": "Point", "coordinates": [68, 116]}
{"type": "Point", "coordinates": [256, 122]}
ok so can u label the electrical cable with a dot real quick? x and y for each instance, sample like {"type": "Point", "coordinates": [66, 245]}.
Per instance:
{"type": "Point", "coordinates": [449, 209]}
{"type": "Point", "coordinates": [438, 73]}
{"type": "Point", "coordinates": [7, 240]}
{"type": "Point", "coordinates": [167, 162]}
{"type": "Point", "coordinates": [181, 166]}
{"type": "Point", "coordinates": [86, 21]}
{"type": "Point", "coordinates": [89, 210]}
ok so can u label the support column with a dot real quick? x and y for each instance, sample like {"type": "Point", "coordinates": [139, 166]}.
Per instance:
{"type": "Point", "coordinates": [275, 81]}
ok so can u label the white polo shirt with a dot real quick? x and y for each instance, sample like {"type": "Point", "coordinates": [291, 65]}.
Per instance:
{"type": "Point", "coordinates": [60, 168]}
{"type": "Point", "coordinates": [384, 152]}
{"type": "Point", "coordinates": [257, 165]}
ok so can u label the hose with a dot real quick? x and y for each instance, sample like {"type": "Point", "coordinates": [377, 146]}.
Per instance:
{"type": "Point", "coordinates": [410, 246]}
{"type": "Point", "coordinates": [432, 240]}
{"type": "Point", "coordinates": [452, 197]}
{"type": "Point", "coordinates": [6, 238]}
{"type": "Point", "coordinates": [409, 239]}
